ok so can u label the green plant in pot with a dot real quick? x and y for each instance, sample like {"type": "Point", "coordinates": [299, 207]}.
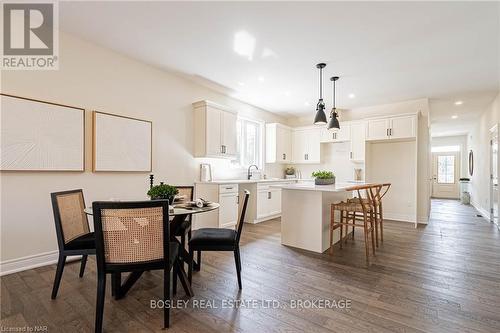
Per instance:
{"type": "Point", "coordinates": [323, 177]}
{"type": "Point", "coordinates": [163, 191]}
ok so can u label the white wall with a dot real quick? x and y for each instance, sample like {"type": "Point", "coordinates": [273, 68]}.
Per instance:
{"type": "Point", "coordinates": [479, 142]}
{"type": "Point", "coordinates": [456, 140]}
{"type": "Point", "coordinates": [97, 78]}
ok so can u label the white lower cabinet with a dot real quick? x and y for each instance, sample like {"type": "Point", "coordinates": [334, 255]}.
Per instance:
{"type": "Point", "coordinates": [227, 214]}
{"type": "Point", "coordinates": [268, 202]}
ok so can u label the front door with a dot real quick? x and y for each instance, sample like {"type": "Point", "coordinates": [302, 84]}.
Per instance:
{"type": "Point", "coordinates": [495, 193]}
{"type": "Point", "coordinates": [445, 168]}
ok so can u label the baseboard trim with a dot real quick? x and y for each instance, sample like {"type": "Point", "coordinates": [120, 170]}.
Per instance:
{"type": "Point", "coordinates": [481, 210]}
{"type": "Point", "coordinates": [399, 217]}
{"type": "Point", "coordinates": [29, 262]}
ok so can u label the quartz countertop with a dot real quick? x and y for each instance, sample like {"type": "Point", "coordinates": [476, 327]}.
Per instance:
{"type": "Point", "coordinates": [338, 187]}
{"type": "Point", "coordinates": [246, 181]}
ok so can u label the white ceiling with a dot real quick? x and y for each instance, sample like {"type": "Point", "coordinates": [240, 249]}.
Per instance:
{"type": "Point", "coordinates": [383, 52]}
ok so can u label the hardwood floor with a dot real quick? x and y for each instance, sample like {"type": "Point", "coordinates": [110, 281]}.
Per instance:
{"type": "Point", "coordinates": [443, 277]}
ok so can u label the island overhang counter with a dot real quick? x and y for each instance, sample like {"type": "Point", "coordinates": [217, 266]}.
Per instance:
{"type": "Point", "coordinates": [305, 214]}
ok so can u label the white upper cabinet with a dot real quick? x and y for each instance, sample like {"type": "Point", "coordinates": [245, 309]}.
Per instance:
{"type": "Point", "coordinates": [344, 134]}
{"type": "Point", "coordinates": [358, 132]}
{"type": "Point", "coordinates": [306, 145]}
{"type": "Point", "coordinates": [377, 129]}
{"type": "Point", "coordinates": [278, 143]}
{"type": "Point", "coordinates": [402, 127]}
{"type": "Point", "coordinates": [229, 140]}
{"type": "Point", "coordinates": [214, 130]}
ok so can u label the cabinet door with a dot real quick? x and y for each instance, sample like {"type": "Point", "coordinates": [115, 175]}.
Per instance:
{"type": "Point", "coordinates": [262, 204]}
{"type": "Point", "coordinates": [344, 134]}
{"type": "Point", "coordinates": [378, 129]}
{"type": "Point", "coordinates": [228, 210]}
{"type": "Point", "coordinates": [313, 145]}
{"type": "Point", "coordinates": [358, 132]}
{"type": "Point", "coordinates": [274, 202]}
{"type": "Point", "coordinates": [229, 133]}
{"type": "Point", "coordinates": [287, 145]}
{"type": "Point", "coordinates": [213, 135]}
{"type": "Point", "coordinates": [403, 127]}
{"type": "Point", "coordinates": [283, 144]}
{"type": "Point", "coordinates": [299, 144]}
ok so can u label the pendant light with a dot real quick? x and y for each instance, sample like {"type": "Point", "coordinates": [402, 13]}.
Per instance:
{"type": "Point", "coordinates": [333, 124]}
{"type": "Point", "coordinates": [320, 118]}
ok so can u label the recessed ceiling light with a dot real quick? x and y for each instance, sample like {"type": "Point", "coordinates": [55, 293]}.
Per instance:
{"type": "Point", "coordinates": [287, 93]}
{"type": "Point", "coordinates": [241, 84]}
{"type": "Point", "coordinates": [351, 95]}
{"type": "Point", "coordinates": [244, 44]}
{"type": "Point", "coordinates": [454, 116]}
{"type": "Point", "coordinates": [459, 102]}
{"type": "Point", "coordinates": [260, 78]}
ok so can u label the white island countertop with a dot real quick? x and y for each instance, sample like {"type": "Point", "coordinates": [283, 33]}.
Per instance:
{"type": "Point", "coordinates": [338, 187]}
{"type": "Point", "coordinates": [246, 181]}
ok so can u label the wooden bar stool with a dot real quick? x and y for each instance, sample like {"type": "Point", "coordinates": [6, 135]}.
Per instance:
{"type": "Point", "coordinates": [348, 217]}
{"type": "Point", "coordinates": [378, 191]}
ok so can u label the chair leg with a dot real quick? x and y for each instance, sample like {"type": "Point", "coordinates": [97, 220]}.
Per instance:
{"type": "Point", "coordinates": [183, 241]}
{"type": "Point", "coordinates": [373, 232]}
{"type": "Point", "coordinates": [190, 265]}
{"type": "Point", "coordinates": [174, 277]}
{"type": "Point", "coordinates": [198, 261]}
{"type": "Point", "coordinates": [82, 265]}
{"type": "Point", "coordinates": [166, 297]}
{"type": "Point", "coordinates": [238, 265]}
{"type": "Point", "coordinates": [353, 221]}
{"type": "Point", "coordinates": [341, 228]}
{"type": "Point", "coordinates": [332, 224]}
{"type": "Point", "coordinates": [365, 227]}
{"type": "Point", "coordinates": [101, 292]}
{"type": "Point", "coordinates": [375, 224]}
{"type": "Point", "coordinates": [59, 272]}
{"type": "Point", "coordinates": [381, 221]}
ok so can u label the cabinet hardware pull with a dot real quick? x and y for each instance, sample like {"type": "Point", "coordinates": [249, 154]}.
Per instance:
{"type": "Point", "coordinates": [269, 195]}
{"type": "Point", "coordinates": [229, 188]}
{"type": "Point", "coordinates": [351, 155]}
{"type": "Point", "coordinates": [284, 156]}
{"type": "Point", "coordinates": [237, 199]}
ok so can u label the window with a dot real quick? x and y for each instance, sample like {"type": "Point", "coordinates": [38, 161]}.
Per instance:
{"type": "Point", "coordinates": [249, 140]}
{"type": "Point", "coordinates": [444, 149]}
{"type": "Point", "coordinates": [446, 169]}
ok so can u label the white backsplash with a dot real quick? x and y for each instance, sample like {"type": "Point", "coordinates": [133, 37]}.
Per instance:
{"type": "Point", "coordinates": [222, 169]}
{"type": "Point", "coordinates": [335, 158]}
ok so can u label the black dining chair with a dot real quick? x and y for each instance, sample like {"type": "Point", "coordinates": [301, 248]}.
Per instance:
{"type": "Point", "coordinates": [186, 194]}
{"type": "Point", "coordinates": [72, 229]}
{"type": "Point", "coordinates": [133, 237]}
{"type": "Point", "coordinates": [218, 239]}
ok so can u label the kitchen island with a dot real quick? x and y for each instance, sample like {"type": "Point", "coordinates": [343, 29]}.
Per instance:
{"type": "Point", "coordinates": [305, 215]}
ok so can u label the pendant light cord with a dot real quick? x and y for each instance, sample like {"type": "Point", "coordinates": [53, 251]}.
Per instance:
{"type": "Point", "coordinates": [321, 83]}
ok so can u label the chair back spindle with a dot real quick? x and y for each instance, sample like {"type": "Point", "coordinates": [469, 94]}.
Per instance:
{"type": "Point", "coordinates": [242, 216]}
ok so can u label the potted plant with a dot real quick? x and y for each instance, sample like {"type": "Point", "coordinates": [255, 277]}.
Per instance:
{"type": "Point", "coordinates": [289, 172]}
{"type": "Point", "coordinates": [323, 177]}
{"type": "Point", "coordinates": [163, 191]}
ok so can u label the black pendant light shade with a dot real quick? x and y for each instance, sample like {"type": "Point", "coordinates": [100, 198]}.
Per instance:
{"type": "Point", "coordinates": [320, 118]}
{"type": "Point", "coordinates": [333, 124]}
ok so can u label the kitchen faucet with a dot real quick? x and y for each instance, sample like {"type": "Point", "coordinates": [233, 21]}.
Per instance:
{"type": "Point", "coordinates": [249, 175]}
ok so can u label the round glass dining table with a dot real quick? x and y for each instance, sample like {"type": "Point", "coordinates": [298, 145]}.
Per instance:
{"type": "Point", "coordinates": [179, 214]}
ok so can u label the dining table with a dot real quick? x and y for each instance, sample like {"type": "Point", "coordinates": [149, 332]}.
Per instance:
{"type": "Point", "coordinates": [179, 213]}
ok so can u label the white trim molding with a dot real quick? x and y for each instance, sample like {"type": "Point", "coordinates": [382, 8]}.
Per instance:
{"type": "Point", "coordinates": [30, 262]}
{"type": "Point", "coordinates": [481, 210]}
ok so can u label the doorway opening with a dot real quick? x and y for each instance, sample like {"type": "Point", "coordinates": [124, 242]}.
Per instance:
{"type": "Point", "coordinates": [446, 172]}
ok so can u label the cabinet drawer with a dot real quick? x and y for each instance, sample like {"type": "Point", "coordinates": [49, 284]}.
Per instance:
{"type": "Point", "coordinates": [229, 188]}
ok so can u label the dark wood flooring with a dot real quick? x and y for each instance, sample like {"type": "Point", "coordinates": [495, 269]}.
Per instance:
{"type": "Point", "coordinates": [443, 277]}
